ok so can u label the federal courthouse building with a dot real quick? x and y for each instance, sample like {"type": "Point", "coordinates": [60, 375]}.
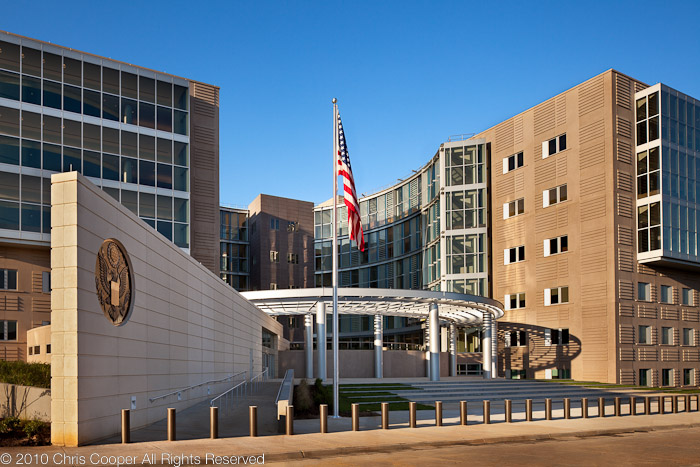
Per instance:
{"type": "Point", "coordinates": [579, 215]}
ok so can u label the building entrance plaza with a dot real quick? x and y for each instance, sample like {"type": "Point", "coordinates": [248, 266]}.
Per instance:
{"type": "Point", "coordinates": [455, 309]}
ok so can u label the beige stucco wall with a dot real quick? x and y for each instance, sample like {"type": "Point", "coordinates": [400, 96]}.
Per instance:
{"type": "Point", "coordinates": [40, 337]}
{"type": "Point", "coordinates": [25, 402]}
{"type": "Point", "coordinates": [187, 326]}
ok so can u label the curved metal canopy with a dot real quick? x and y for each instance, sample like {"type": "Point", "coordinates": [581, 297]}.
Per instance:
{"type": "Point", "coordinates": [459, 308]}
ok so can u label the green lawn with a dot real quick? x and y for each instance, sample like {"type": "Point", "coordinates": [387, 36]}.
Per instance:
{"type": "Point", "coordinates": [595, 384]}
{"type": "Point", "coordinates": [373, 395]}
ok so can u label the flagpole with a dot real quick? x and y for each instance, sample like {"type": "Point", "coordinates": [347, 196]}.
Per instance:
{"type": "Point", "coordinates": [336, 373]}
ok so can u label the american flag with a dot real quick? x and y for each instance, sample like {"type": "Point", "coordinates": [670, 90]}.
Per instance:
{"type": "Point", "coordinates": [344, 169]}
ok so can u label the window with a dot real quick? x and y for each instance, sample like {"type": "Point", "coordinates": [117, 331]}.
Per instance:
{"type": "Point", "coordinates": [687, 297]}
{"type": "Point", "coordinates": [648, 227]}
{"type": "Point", "coordinates": [561, 373]}
{"type": "Point", "coordinates": [554, 195]}
{"type": "Point", "coordinates": [556, 296]}
{"type": "Point", "coordinates": [553, 146]}
{"type": "Point", "coordinates": [274, 256]}
{"type": "Point", "coordinates": [273, 286]}
{"type": "Point", "coordinates": [666, 336]}
{"type": "Point", "coordinates": [274, 223]}
{"type": "Point", "coordinates": [666, 294]}
{"type": "Point", "coordinates": [644, 377]}
{"type": "Point", "coordinates": [688, 336]}
{"type": "Point", "coordinates": [554, 246]}
{"type": "Point", "coordinates": [37, 349]}
{"type": "Point", "coordinates": [515, 301]}
{"type": "Point", "coordinates": [8, 279]}
{"type": "Point", "coordinates": [8, 330]}
{"type": "Point", "coordinates": [644, 291]}
{"type": "Point", "coordinates": [514, 255]}
{"type": "Point", "coordinates": [293, 258]}
{"type": "Point", "coordinates": [513, 208]}
{"type": "Point", "coordinates": [648, 173]}
{"type": "Point", "coordinates": [515, 338]}
{"type": "Point", "coordinates": [688, 377]}
{"type": "Point", "coordinates": [648, 118]}
{"type": "Point", "coordinates": [644, 335]}
{"type": "Point", "coordinates": [292, 226]}
{"type": "Point", "coordinates": [31, 350]}
{"type": "Point", "coordinates": [48, 348]}
{"type": "Point", "coordinates": [46, 281]}
{"type": "Point", "coordinates": [556, 337]}
{"type": "Point", "coordinates": [512, 162]}
{"type": "Point", "coordinates": [667, 377]}
{"type": "Point", "coordinates": [464, 369]}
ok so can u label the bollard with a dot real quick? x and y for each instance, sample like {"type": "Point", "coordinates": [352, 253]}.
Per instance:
{"type": "Point", "coordinates": [686, 408]}
{"type": "Point", "coordinates": [584, 407]}
{"type": "Point", "coordinates": [487, 412]}
{"type": "Point", "coordinates": [463, 413]}
{"type": "Point", "coordinates": [662, 404]}
{"type": "Point", "coordinates": [126, 426]}
{"type": "Point", "coordinates": [289, 422]}
{"type": "Point", "coordinates": [171, 424]}
{"type": "Point", "coordinates": [528, 410]}
{"type": "Point", "coordinates": [213, 422]}
{"type": "Point", "coordinates": [633, 405]}
{"type": "Point", "coordinates": [674, 404]}
{"type": "Point", "coordinates": [567, 408]}
{"type": "Point", "coordinates": [253, 420]}
{"type": "Point", "coordinates": [412, 414]}
{"type": "Point", "coordinates": [509, 411]}
{"type": "Point", "coordinates": [617, 406]}
{"type": "Point", "coordinates": [355, 417]}
{"type": "Point", "coordinates": [548, 409]}
{"type": "Point", "coordinates": [385, 415]}
{"type": "Point", "coordinates": [601, 406]}
{"type": "Point", "coordinates": [438, 413]}
{"type": "Point", "coordinates": [323, 417]}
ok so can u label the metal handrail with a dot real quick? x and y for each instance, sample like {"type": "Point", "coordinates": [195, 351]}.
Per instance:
{"type": "Point", "coordinates": [258, 376]}
{"type": "Point", "coordinates": [214, 381]}
{"type": "Point", "coordinates": [242, 383]}
{"type": "Point", "coordinates": [257, 380]}
{"type": "Point", "coordinates": [288, 374]}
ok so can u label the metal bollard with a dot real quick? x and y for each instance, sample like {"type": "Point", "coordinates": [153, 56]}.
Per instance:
{"type": "Point", "coordinates": [617, 407]}
{"type": "Point", "coordinates": [438, 413]}
{"type": "Point", "coordinates": [633, 405]}
{"type": "Point", "coordinates": [253, 420]}
{"type": "Point", "coordinates": [412, 414]}
{"type": "Point", "coordinates": [463, 413]}
{"type": "Point", "coordinates": [171, 424]}
{"type": "Point", "coordinates": [323, 417]}
{"type": "Point", "coordinates": [487, 412]}
{"type": "Point", "coordinates": [126, 426]}
{"type": "Point", "coordinates": [385, 415]}
{"type": "Point", "coordinates": [289, 422]}
{"type": "Point", "coordinates": [647, 406]}
{"type": "Point", "coordinates": [528, 410]}
{"type": "Point", "coordinates": [509, 411]}
{"type": "Point", "coordinates": [674, 404]}
{"type": "Point", "coordinates": [662, 404]}
{"type": "Point", "coordinates": [355, 417]}
{"type": "Point", "coordinates": [548, 409]}
{"type": "Point", "coordinates": [213, 422]}
{"type": "Point", "coordinates": [584, 407]}
{"type": "Point", "coordinates": [567, 408]}
{"type": "Point", "coordinates": [601, 406]}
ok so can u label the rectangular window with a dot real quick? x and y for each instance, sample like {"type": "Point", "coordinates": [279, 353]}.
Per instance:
{"type": "Point", "coordinates": [274, 256]}
{"type": "Point", "coordinates": [8, 330]}
{"type": "Point", "coordinates": [46, 281]}
{"type": "Point", "coordinates": [512, 162]}
{"type": "Point", "coordinates": [644, 335]}
{"type": "Point", "coordinates": [513, 208]}
{"type": "Point", "coordinates": [666, 336]}
{"type": "Point", "coordinates": [48, 348]}
{"type": "Point", "coordinates": [274, 223]}
{"type": "Point", "coordinates": [556, 296]}
{"type": "Point", "coordinates": [8, 279]}
{"type": "Point", "coordinates": [666, 294]}
{"type": "Point", "coordinates": [514, 255]}
{"type": "Point", "coordinates": [644, 377]}
{"type": "Point", "coordinates": [516, 339]}
{"type": "Point", "coordinates": [667, 377]}
{"type": "Point", "coordinates": [644, 291]}
{"type": "Point", "coordinates": [688, 336]}
{"type": "Point", "coordinates": [293, 258]}
{"type": "Point", "coordinates": [553, 146]}
{"type": "Point", "coordinates": [273, 286]}
{"type": "Point", "coordinates": [556, 337]}
{"type": "Point", "coordinates": [554, 246]}
{"type": "Point", "coordinates": [687, 297]}
{"type": "Point", "coordinates": [554, 195]}
{"type": "Point", "coordinates": [688, 378]}
{"type": "Point", "coordinates": [515, 301]}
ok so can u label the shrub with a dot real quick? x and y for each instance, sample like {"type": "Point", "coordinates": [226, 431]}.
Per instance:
{"type": "Point", "coordinates": [302, 397]}
{"type": "Point", "coordinates": [322, 394]}
{"type": "Point", "coordinates": [33, 427]}
{"type": "Point", "coordinates": [9, 425]}
{"type": "Point", "coordinates": [26, 374]}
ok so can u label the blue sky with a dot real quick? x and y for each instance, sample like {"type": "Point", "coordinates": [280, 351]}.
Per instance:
{"type": "Point", "coordinates": [407, 74]}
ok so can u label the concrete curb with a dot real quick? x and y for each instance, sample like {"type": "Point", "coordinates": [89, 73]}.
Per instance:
{"type": "Point", "coordinates": [344, 451]}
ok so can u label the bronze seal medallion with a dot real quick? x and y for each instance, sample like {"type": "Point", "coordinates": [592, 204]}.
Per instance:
{"type": "Point", "coordinates": [113, 281]}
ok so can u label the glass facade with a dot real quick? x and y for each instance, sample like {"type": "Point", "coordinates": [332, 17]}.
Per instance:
{"type": "Point", "coordinates": [235, 248]}
{"type": "Point", "coordinates": [125, 128]}
{"type": "Point", "coordinates": [668, 175]}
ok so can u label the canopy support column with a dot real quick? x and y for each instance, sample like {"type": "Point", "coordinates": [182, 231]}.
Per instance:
{"type": "Point", "coordinates": [378, 346]}
{"type": "Point", "coordinates": [309, 344]}
{"type": "Point", "coordinates": [486, 346]}
{"type": "Point", "coordinates": [434, 328]}
{"type": "Point", "coordinates": [321, 339]}
{"type": "Point", "coordinates": [453, 349]}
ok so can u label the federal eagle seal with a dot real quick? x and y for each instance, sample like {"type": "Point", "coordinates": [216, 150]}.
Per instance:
{"type": "Point", "coordinates": [113, 281]}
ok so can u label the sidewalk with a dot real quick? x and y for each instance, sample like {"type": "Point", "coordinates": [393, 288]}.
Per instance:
{"type": "Point", "coordinates": [281, 448]}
